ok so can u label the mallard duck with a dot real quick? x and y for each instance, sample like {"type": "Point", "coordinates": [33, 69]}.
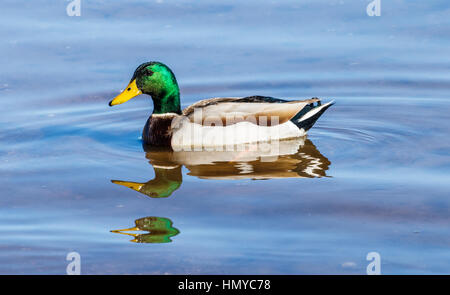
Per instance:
{"type": "Point", "coordinates": [216, 121]}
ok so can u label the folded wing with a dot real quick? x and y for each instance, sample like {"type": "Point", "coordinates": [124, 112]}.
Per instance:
{"type": "Point", "coordinates": [263, 111]}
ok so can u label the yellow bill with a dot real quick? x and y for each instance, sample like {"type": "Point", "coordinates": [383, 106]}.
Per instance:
{"type": "Point", "coordinates": [129, 92]}
{"type": "Point", "coordinates": [125, 229]}
{"type": "Point", "coordinates": [133, 185]}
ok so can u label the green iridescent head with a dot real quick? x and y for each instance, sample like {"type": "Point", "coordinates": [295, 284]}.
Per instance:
{"type": "Point", "coordinates": [158, 81]}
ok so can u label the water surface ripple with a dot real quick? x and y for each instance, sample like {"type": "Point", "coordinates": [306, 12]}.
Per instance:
{"type": "Point", "coordinates": [372, 175]}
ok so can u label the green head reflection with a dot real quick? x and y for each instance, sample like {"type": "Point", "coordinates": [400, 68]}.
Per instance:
{"type": "Point", "coordinates": [159, 230]}
{"type": "Point", "coordinates": [166, 181]}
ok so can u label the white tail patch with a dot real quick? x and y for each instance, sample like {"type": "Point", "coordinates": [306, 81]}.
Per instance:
{"type": "Point", "coordinates": [314, 111]}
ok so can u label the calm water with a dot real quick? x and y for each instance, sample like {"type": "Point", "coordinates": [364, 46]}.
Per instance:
{"type": "Point", "coordinates": [372, 175]}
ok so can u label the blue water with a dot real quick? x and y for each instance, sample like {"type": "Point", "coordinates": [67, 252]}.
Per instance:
{"type": "Point", "coordinates": [382, 184]}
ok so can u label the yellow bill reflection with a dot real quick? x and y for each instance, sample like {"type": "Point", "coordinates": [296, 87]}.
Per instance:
{"type": "Point", "coordinates": [158, 230]}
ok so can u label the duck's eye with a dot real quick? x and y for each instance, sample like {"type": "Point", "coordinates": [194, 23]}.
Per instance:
{"type": "Point", "coordinates": [149, 72]}
{"type": "Point", "coordinates": [129, 88]}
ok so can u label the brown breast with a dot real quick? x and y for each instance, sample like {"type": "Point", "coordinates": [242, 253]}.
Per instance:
{"type": "Point", "coordinates": [158, 131]}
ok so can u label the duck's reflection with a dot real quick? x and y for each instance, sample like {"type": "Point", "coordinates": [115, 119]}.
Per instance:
{"type": "Point", "coordinates": [159, 230]}
{"type": "Point", "coordinates": [296, 158]}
